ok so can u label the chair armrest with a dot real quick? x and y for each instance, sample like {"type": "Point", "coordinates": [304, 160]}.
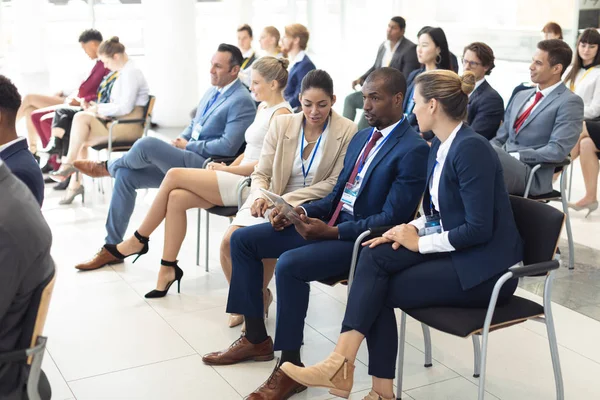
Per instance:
{"type": "Point", "coordinates": [226, 160]}
{"type": "Point", "coordinates": [563, 163]}
{"type": "Point", "coordinates": [380, 230]}
{"type": "Point", "coordinates": [128, 121]}
{"type": "Point", "coordinates": [534, 269]}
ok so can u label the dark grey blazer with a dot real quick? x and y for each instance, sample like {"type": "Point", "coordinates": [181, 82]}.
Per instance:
{"type": "Point", "coordinates": [25, 262]}
{"type": "Point", "coordinates": [404, 58]}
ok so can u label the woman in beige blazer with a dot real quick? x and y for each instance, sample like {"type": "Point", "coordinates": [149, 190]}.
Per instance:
{"type": "Point", "coordinates": [321, 136]}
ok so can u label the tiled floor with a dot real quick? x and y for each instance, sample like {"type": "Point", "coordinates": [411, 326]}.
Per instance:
{"type": "Point", "coordinates": [107, 342]}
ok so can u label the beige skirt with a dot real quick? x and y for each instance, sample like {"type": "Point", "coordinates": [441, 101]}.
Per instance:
{"type": "Point", "coordinates": [125, 132]}
{"type": "Point", "coordinates": [228, 186]}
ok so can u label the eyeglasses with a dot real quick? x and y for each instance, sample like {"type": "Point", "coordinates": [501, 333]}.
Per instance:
{"type": "Point", "coordinates": [471, 63]}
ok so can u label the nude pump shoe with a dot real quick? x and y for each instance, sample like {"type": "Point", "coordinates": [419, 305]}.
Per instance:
{"type": "Point", "coordinates": [374, 396]}
{"type": "Point", "coordinates": [335, 373]}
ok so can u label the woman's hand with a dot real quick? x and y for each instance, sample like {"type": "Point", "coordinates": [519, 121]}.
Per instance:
{"type": "Point", "coordinates": [214, 166]}
{"type": "Point", "coordinates": [259, 207]}
{"type": "Point", "coordinates": [278, 221]}
{"type": "Point", "coordinates": [372, 243]}
{"type": "Point", "coordinates": [403, 235]}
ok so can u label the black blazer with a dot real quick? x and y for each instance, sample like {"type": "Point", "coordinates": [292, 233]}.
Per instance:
{"type": "Point", "coordinates": [485, 110]}
{"type": "Point", "coordinates": [404, 58]}
{"type": "Point", "coordinates": [22, 164]}
{"type": "Point", "coordinates": [410, 85]}
{"type": "Point", "coordinates": [475, 209]}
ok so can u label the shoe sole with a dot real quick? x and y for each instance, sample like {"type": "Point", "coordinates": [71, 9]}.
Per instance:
{"type": "Point", "coordinates": [103, 265]}
{"type": "Point", "coordinates": [253, 358]}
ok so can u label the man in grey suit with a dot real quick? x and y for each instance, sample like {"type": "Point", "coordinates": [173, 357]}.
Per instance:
{"type": "Point", "coordinates": [542, 124]}
{"type": "Point", "coordinates": [396, 52]}
{"type": "Point", "coordinates": [25, 263]}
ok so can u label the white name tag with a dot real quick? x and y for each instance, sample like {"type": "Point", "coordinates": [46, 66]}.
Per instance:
{"type": "Point", "coordinates": [350, 194]}
{"type": "Point", "coordinates": [196, 133]}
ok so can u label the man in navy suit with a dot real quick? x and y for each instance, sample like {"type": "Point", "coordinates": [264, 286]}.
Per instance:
{"type": "Point", "coordinates": [294, 44]}
{"type": "Point", "coordinates": [13, 149]}
{"type": "Point", "coordinates": [222, 117]}
{"type": "Point", "coordinates": [381, 184]}
{"type": "Point", "coordinates": [486, 108]}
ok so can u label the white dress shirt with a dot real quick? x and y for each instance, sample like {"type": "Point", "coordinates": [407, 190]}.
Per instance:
{"type": "Point", "coordinates": [129, 90]}
{"type": "Point", "coordinates": [389, 52]}
{"type": "Point", "coordinates": [437, 242]}
{"type": "Point", "coordinates": [7, 145]}
{"type": "Point", "coordinates": [587, 86]}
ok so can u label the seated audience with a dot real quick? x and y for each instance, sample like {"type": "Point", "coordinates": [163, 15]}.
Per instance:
{"type": "Point", "coordinates": [381, 184]}
{"type": "Point", "coordinates": [36, 106]}
{"type": "Point", "coordinates": [396, 52]}
{"type": "Point", "coordinates": [457, 265]}
{"type": "Point", "coordinates": [223, 116]}
{"type": "Point", "coordinates": [584, 80]}
{"type": "Point", "coordinates": [244, 37]}
{"type": "Point", "coordinates": [541, 125]}
{"type": "Point", "coordinates": [185, 188]}
{"type": "Point", "coordinates": [25, 264]}
{"type": "Point", "coordinates": [552, 30]}
{"type": "Point", "coordinates": [432, 53]}
{"type": "Point", "coordinates": [128, 97]}
{"type": "Point", "coordinates": [269, 42]}
{"type": "Point", "coordinates": [294, 44]}
{"type": "Point", "coordinates": [486, 108]}
{"type": "Point", "coordinates": [13, 149]}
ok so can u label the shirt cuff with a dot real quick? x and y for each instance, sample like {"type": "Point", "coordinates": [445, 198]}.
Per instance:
{"type": "Point", "coordinates": [305, 213]}
{"type": "Point", "coordinates": [435, 243]}
{"type": "Point", "coordinates": [515, 155]}
{"type": "Point", "coordinates": [418, 223]}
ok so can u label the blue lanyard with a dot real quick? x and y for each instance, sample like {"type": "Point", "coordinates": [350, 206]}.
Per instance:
{"type": "Point", "coordinates": [306, 171]}
{"type": "Point", "coordinates": [366, 157]}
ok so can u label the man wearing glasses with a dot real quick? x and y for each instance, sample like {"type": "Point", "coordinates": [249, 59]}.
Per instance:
{"type": "Point", "coordinates": [486, 108]}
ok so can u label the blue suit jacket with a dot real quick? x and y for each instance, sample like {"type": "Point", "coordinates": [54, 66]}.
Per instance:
{"type": "Point", "coordinates": [392, 186]}
{"type": "Point", "coordinates": [298, 72]}
{"type": "Point", "coordinates": [20, 161]}
{"type": "Point", "coordinates": [485, 111]}
{"type": "Point", "coordinates": [475, 209]}
{"type": "Point", "coordinates": [223, 125]}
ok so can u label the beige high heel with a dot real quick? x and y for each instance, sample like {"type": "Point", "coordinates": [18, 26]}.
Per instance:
{"type": "Point", "coordinates": [374, 396]}
{"type": "Point", "coordinates": [590, 207]}
{"type": "Point", "coordinates": [335, 373]}
{"type": "Point", "coordinates": [235, 320]}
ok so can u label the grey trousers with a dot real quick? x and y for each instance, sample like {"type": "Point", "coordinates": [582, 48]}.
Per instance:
{"type": "Point", "coordinates": [516, 174]}
{"type": "Point", "coordinates": [353, 102]}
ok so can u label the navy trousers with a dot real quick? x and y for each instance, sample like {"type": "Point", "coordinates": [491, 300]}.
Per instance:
{"type": "Point", "coordinates": [142, 167]}
{"type": "Point", "coordinates": [386, 279]}
{"type": "Point", "coordinates": [300, 262]}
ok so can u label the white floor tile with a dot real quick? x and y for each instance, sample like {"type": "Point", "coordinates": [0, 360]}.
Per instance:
{"type": "Point", "coordinates": [60, 389]}
{"type": "Point", "coordinates": [452, 389]}
{"type": "Point", "coordinates": [182, 379]}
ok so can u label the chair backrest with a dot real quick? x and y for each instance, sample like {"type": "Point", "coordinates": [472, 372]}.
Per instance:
{"type": "Point", "coordinates": [539, 225]}
{"type": "Point", "coordinates": [35, 319]}
{"type": "Point", "coordinates": [149, 106]}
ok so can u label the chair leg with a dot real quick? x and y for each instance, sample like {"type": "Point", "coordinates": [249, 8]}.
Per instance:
{"type": "Point", "coordinates": [558, 381]}
{"type": "Point", "coordinates": [476, 356]}
{"type": "Point", "coordinates": [427, 343]}
{"type": "Point", "coordinates": [207, 242]}
{"type": "Point", "coordinates": [567, 221]}
{"type": "Point", "coordinates": [570, 181]}
{"type": "Point", "coordinates": [482, 365]}
{"type": "Point", "coordinates": [400, 366]}
{"type": "Point", "coordinates": [198, 238]}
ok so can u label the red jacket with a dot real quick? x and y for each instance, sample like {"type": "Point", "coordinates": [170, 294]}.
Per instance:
{"type": "Point", "coordinates": [88, 90]}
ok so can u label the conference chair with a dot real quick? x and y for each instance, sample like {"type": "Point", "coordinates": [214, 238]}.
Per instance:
{"type": "Point", "coordinates": [228, 212]}
{"type": "Point", "coordinates": [539, 226]}
{"type": "Point", "coordinates": [32, 345]}
{"type": "Point", "coordinates": [556, 195]}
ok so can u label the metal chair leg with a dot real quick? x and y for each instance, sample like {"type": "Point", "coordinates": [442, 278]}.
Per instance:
{"type": "Point", "coordinates": [198, 238]}
{"type": "Point", "coordinates": [558, 381]}
{"type": "Point", "coordinates": [565, 206]}
{"type": "Point", "coordinates": [476, 356]}
{"type": "Point", "coordinates": [400, 362]}
{"type": "Point", "coordinates": [427, 343]}
{"type": "Point", "coordinates": [570, 180]}
{"type": "Point", "coordinates": [207, 242]}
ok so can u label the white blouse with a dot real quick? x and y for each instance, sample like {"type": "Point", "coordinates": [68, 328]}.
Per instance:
{"type": "Point", "coordinates": [130, 90]}
{"type": "Point", "coordinates": [256, 132]}
{"type": "Point", "coordinates": [587, 86]}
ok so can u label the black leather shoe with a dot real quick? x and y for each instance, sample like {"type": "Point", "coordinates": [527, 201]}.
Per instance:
{"type": "Point", "coordinates": [63, 185]}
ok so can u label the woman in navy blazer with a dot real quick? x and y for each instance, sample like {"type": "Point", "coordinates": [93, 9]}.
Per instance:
{"type": "Point", "coordinates": [452, 256]}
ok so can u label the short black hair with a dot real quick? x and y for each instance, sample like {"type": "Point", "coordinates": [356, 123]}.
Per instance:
{"type": "Point", "coordinates": [10, 99]}
{"type": "Point", "coordinates": [90, 34]}
{"type": "Point", "coordinates": [317, 79]}
{"type": "Point", "coordinates": [236, 55]}
{"type": "Point", "coordinates": [558, 51]}
{"type": "Point", "coordinates": [400, 21]}
{"type": "Point", "coordinates": [394, 80]}
{"type": "Point", "coordinates": [246, 28]}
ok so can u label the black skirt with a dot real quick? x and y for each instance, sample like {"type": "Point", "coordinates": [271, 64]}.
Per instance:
{"type": "Point", "coordinates": [593, 127]}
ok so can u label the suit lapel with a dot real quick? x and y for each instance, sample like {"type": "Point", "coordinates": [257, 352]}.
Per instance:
{"type": "Point", "coordinates": [220, 100]}
{"type": "Point", "coordinates": [545, 103]}
{"type": "Point", "coordinates": [518, 106]}
{"type": "Point", "coordinates": [289, 147]}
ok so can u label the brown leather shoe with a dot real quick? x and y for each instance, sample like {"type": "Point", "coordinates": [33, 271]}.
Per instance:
{"type": "Point", "coordinates": [279, 386]}
{"type": "Point", "coordinates": [102, 258]}
{"type": "Point", "coordinates": [241, 350]}
{"type": "Point", "coordinates": [95, 169]}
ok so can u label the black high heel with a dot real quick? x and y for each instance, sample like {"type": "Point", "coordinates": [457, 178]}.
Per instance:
{"type": "Point", "coordinates": [112, 248]}
{"type": "Point", "coordinates": [178, 275]}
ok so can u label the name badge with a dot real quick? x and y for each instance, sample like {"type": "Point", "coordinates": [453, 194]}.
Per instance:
{"type": "Point", "coordinates": [196, 133]}
{"type": "Point", "coordinates": [432, 225]}
{"type": "Point", "coordinates": [350, 194]}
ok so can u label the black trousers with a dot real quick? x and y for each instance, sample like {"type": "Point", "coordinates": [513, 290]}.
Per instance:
{"type": "Point", "coordinates": [386, 279]}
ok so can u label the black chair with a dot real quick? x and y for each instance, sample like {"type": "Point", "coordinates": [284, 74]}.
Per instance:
{"type": "Point", "coordinates": [32, 345]}
{"type": "Point", "coordinates": [556, 195]}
